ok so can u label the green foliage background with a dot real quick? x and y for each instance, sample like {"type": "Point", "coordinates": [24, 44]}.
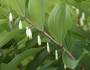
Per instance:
{"type": "Point", "coordinates": [59, 20]}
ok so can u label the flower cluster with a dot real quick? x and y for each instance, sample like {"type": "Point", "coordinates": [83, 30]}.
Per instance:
{"type": "Point", "coordinates": [29, 35]}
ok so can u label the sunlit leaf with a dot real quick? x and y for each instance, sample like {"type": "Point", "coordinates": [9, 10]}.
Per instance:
{"type": "Point", "coordinates": [37, 10]}
{"type": "Point", "coordinates": [60, 21]}
{"type": "Point", "coordinates": [17, 5]}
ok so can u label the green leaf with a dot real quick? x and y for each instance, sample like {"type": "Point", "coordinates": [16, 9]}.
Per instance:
{"type": "Point", "coordinates": [18, 6]}
{"type": "Point", "coordinates": [49, 69]}
{"type": "Point", "coordinates": [68, 41]}
{"type": "Point", "coordinates": [7, 37]}
{"type": "Point", "coordinates": [69, 62]}
{"type": "Point", "coordinates": [40, 57]}
{"type": "Point", "coordinates": [16, 61]}
{"type": "Point", "coordinates": [86, 62]}
{"type": "Point", "coordinates": [79, 0]}
{"type": "Point", "coordinates": [80, 33]}
{"type": "Point", "coordinates": [60, 21]}
{"type": "Point", "coordinates": [83, 6]}
{"type": "Point", "coordinates": [2, 21]}
{"type": "Point", "coordinates": [3, 2]}
{"type": "Point", "coordinates": [77, 48]}
{"type": "Point", "coordinates": [37, 10]}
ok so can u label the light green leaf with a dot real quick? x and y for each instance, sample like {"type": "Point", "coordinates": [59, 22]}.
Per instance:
{"type": "Point", "coordinates": [37, 9]}
{"type": "Point", "coordinates": [60, 21]}
{"type": "Point", "coordinates": [2, 21]}
{"type": "Point", "coordinates": [3, 2]}
{"type": "Point", "coordinates": [69, 62]}
{"type": "Point", "coordinates": [18, 6]}
{"type": "Point", "coordinates": [7, 37]}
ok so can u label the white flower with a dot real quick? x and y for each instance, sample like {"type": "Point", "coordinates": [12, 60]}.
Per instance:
{"type": "Point", "coordinates": [29, 33]}
{"type": "Point", "coordinates": [73, 7]}
{"type": "Point", "coordinates": [48, 48]}
{"type": "Point", "coordinates": [10, 17]}
{"type": "Point", "coordinates": [77, 11]}
{"type": "Point", "coordinates": [56, 55]}
{"type": "Point", "coordinates": [65, 67]}
{"type": "Point", "coordinates": [83, 16]}
{"type": "Point", "coordinates": [81, 22]}
{"type": "Point", "coordinates": [39, 40]}
{"type": "Point", "coordinates": [20, 24]}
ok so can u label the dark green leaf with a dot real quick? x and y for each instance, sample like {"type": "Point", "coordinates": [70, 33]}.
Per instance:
{"type": "Point", "coordinates": [39, 58]}
{"type": "Point", "coordinates": [7, 37]}
{"type": "Point", "coordinates": [16, 61]}
{"type": "Point", "coordinates": [69, 62]}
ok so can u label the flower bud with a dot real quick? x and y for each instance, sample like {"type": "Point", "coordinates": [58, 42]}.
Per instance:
{"type": "Point", "coordinates": [29, 33]}
{"type": "Point", "coordinates": [77, 11]}
{"type": "Point", "coordinates": [81, 22]}
{"type": "Point", "coordinates": [48, 48]}
{"type": "Point", "coordinates": [56, 54]}
{"type": "Point", "coordinates": [20, 24]}
{"type": "Point", "coordinates": [83, 16]}
{"type": "Point", "coordinates": [10, 17]}
{"type": "Point", "coordinates": [73, 7]}
{"type": "Point", "coordinates": [65, 67]}
{"type": "Point", "coordinates": [39, 40]}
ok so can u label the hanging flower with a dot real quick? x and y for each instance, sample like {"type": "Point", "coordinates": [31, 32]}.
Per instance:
{"type": "Point", "coordinates": [48, 48]}
{"type": "Point", "coordinates": [77, 11]}
{"type": "Point", "coordinates": [20, 24]}
{"type": "Point", "coordinates": [83, 16]}
{"type": "Point", "coordinates": [81, 22]}
{"type": "Point", "coordinates": [73, 7]}
{"type": "Point", "coordinates": [65, 67]}
{"type": "Point", "coordinates": [10, 17]}
{"type": "Point", "coordinates": [29, 33]}
{"type": "Point", "coordinates": [56, 55]}
{"type": "Point", "coordinates": [39, 40]}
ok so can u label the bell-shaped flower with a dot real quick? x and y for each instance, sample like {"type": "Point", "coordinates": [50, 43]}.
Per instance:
{"type": "Point", "coordinates": [20, 24]}
{"type": "Point", "coordinates": [83, 16]}
{"type": "Point", "coordinates": [56, 55]}
{"type": "Point", "coordinates": [65, 67]}
{"type": "Point", "coordinates": [73, 7]}
{"type": "Point", "coordinates": [39, 40]}
{"type": "Point", "coordinates": [48, 48]}
{"type": "Point", "coordinates": [10, 17]}
{"type": "Point", "coordinates": [81, 22]}
{"type": "Point", "coordinates": [77, 11]}
{"type": "Point", "coordinates": [29, 33]}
